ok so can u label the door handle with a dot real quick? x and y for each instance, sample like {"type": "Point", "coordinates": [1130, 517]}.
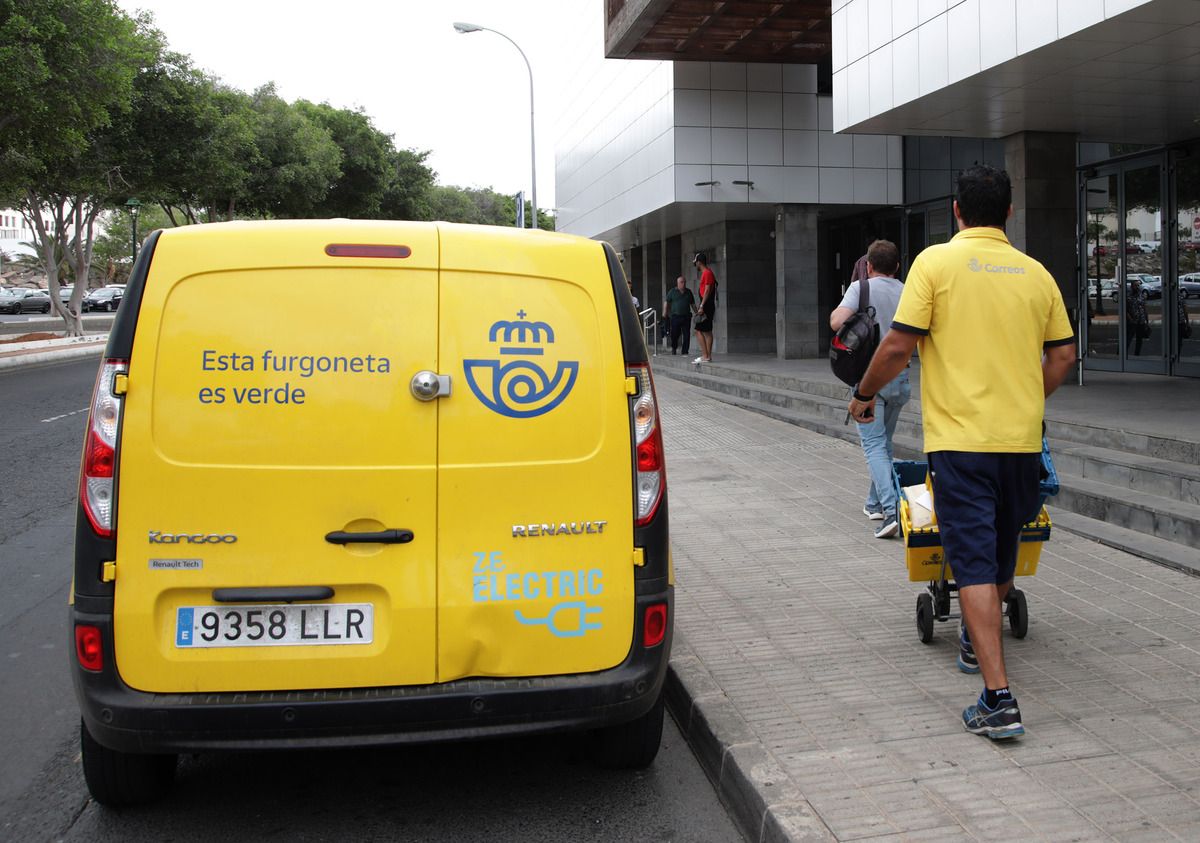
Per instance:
{"type": "Point", "coordinates": [380, 537]}
{"type": "Point", "coordinates": [285, 594]}
{"type": "Point", "coordinates": [427, 385]}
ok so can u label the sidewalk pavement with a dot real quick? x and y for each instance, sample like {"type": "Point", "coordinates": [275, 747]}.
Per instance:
{"type": "Point", "coordinates": [798, 677]}
{"type": "Point", "coordinates": [36, 352]}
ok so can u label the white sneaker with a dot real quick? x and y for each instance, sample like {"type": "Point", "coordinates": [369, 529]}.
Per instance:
{"type": "Point", "coordinates": [699, 360]}
{"type": "Point", "coordinates": [876, 515]}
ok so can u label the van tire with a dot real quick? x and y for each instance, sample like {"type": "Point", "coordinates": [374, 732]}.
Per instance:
{"type": "Point", "coordinates": [121, 779]}
{"type": "Point", "coordinates": [632, 745]}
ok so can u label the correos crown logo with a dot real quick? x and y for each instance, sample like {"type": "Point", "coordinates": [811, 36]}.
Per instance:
{"type": "Point", "coordinates": [520, 388]}
{"type": "Point", "coordinates": [974, 265]}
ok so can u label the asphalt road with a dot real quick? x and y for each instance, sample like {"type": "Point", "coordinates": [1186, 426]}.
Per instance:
{"type": "Point", "coordinates": [529, 790]}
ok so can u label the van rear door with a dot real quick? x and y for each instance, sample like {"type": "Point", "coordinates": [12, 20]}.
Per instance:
{"type": "Point", "coordinates": [535, 504]}
{"type": "Point", "coordinates": [273, 459]}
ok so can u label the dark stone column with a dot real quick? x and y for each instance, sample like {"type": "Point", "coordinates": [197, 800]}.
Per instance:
{"type": "Point", "coordinates": [797, 320]}
{"type": "Point", "coordinates": [1042, 168]}
{"type": "Point", "coordinates": [748, 294]}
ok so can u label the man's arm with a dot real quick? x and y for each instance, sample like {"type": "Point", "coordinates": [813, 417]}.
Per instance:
{"type": "Point", "coordinates": [1056, 365]}
{"type": "Point", "coordinates": [838, 318]}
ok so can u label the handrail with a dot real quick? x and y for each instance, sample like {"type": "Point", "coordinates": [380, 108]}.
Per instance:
{"type": "Point", "coordinates": [650, 325]}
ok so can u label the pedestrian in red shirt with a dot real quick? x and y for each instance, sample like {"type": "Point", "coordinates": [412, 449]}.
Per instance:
{"type": "Point", "coordinates": [708, 306]}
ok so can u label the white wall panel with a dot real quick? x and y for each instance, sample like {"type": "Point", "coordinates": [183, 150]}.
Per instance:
{"type": "Point", "coordinates": [728, 146]}
{"type": "Point", "coordinates": [870, 187]}
{"type": "Point", "coordinates": [686, 176]}
{"type": "Point", "coordinates": [871, 151]}
{"type": "Point", "coordinates": [1037, 24]}
{"type": "Point", "coordinates": [934, 61]}
{"type": "Point", "coordinates": [800, 78]}
{"type": "Point", "coordinates": [764, 146]}
{"type": "Point", "coordinates": [880, 64]}
{"type": "Point", "coordinates": [727, 191]}
{"type": "Point", "coordinates": [769, 184]}
{"type": "Point", "coordinates": [800, 149]}
{"type": "Point", "coordinates": [728, 76]}
{"type": "Point", "coordinates": [800, 111]}
{"type": "Point", "coordinates": [904, 17]}
{"type": "Point", "coordinates": [856, 30]}
{"type": "Point", "coordinates": [836, 185]}
{"type": "Point", "coordinates": [963, 39]}
{"type": "Point", "coordinates": [839, 45]}
{"type": "Point", "coordinates": [691, 74]}
{"type": "Point", "coordinates": [729, 108]}
{"type": "Point", "coordinates": [906, 69]}
{"type": "Point", "coordinates": [825, 113]}
{"type": "Point", "coordinates": [764, 110]}
{"type": "Point", "coordinates": [858, 103]}
{"type": "Point", "coordinates": [927, 10]}
{"type": "Point", "coordinates": [764, 77]}
{"type": "Point", "coordinates": [692, 108]}
{"type": "Point", "coordinates": [1074, 15]}
{"type": "Point", "coordinates": [879, 23]}
{"type": "Point", "coordinates": [693, 145]}
{"type": "Point", "coordinates": [801, 184]}
{"type": "Point", "coordinates": [997, 32]}
{"type": "Point", "coordinates": [835, 150]}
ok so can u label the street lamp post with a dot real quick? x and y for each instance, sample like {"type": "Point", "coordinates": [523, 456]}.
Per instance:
{"type": "Point", "coordinates": [133, 206]}
{"type": "Point", "coordinates": [463, 29]}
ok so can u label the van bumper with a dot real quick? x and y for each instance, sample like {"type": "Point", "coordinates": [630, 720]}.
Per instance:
{"type": "Point", "coordinates": [128, 720]}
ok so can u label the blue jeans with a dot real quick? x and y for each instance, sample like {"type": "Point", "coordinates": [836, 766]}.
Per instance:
{"type": "Point", "coordinates": [877, 443]}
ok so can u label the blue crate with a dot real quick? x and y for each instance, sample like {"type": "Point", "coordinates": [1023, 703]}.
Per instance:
{"type": "Point", "coordinates": [1048, 486]}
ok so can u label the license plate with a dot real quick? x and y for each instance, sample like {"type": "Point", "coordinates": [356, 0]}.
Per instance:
{"type": "Point", "coordinates": [300, 624]}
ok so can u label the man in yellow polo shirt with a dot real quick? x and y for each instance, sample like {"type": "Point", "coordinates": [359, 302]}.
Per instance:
{"type": "Point", "coordinates": [994, 340]}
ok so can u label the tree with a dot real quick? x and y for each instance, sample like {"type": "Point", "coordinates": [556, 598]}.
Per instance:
{"type": "Point", "coordinates": [365, 162]}
{"type": "Point", "coordinates": [298, 160]}
{"type": "Point", "coordinates": [409, 191]}
{"type": "Point", "coordinates": [69, 71]}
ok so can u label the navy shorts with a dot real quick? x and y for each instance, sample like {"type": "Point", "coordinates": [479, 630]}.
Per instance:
{"type": "Point", "coordinates": [982, 500]}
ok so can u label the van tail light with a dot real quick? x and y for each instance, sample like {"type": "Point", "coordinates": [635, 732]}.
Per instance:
{"type": "Point", "coordinates": [100, 449]}
{"type": "Point", "coordinates": [89, 647]}
{"type": "Point", "coordinates": [651, 475]}
{"type": "Point", "coordinates": [654, 625]}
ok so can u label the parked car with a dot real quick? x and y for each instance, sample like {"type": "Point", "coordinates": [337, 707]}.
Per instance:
{"type": "Point", "coordinates": [25, 301]}
{"type": "Point", "coordinates": [1146, 247]}
{"type": "Point", "coordinates": [1190, 285]}
{"type": "Point", "coordinates": [1152, 284]}
{"type": "Point", "coordinates": [105, 298]}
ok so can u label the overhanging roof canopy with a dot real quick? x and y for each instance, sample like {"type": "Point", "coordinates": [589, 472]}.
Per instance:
{"type": "Point", "coordinates": [718, 30]}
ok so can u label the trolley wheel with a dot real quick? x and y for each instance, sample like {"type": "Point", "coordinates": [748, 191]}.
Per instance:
{"type": "Point", "coordinates": [925, 617]}
{"type": "Point", "coordinates": [1017, 609]}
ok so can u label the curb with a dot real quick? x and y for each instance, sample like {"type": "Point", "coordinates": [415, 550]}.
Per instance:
{"type": "Point", "coordinates": [764, 803]}
{"type": "Point", "coordinates": [20, 359]}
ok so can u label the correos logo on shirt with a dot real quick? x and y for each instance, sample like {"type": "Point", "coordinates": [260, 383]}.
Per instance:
{"type": "Point", "coordinates": [975, 266]}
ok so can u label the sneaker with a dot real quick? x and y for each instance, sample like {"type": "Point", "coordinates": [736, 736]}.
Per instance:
{"type": "Point", "coordinates": [1002, 723]}
{"type": "Point", "coordinates": [889, 527]}
{"type": "Point", "coordinates": [873, 514]}
{"type": "Point", "coordinates": [698, 360]}
{"type": "Point", "coordinates": [967, 662]}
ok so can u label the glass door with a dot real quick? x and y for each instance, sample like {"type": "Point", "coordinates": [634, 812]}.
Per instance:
{"type": "Point", "coordinates": [1129, 325]}
{"type": "Point", "coordinates": [1185, 239]}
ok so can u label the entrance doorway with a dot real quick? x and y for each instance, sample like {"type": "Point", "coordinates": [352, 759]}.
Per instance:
{"type": "Point", "coordinates": [1138, 257]}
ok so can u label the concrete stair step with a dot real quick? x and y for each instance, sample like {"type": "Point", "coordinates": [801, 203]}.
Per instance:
{"type": "Point", "coordinates": [1168, 553]}
{"type": "Point", "coordinates": [1170, 479]}
{"type": "Point", "coordinates": [1130, 493]}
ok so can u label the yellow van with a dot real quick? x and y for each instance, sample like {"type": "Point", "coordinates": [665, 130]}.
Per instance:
{"type": "Point", "coordinates": [314, 517]}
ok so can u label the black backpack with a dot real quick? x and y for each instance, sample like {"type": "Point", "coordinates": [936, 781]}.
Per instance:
{"type": "Point", "coordinates": [852, 346]}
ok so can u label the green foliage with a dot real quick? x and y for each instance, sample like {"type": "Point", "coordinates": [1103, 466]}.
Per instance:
{"type": "Point", "coordinates": [364, 160]}
{"type": "Point", "coordinates": [481, 206]}
{"type": "Point", "coordinates": [298, 159]}
{"type": "Point", "coordinates": [410, 185]}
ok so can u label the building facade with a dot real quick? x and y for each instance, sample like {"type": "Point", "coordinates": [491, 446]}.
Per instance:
{"type": "Point", "coordinates": [782, 137]}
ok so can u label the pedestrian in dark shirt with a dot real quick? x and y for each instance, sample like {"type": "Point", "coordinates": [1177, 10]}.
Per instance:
{"type": "Point", "coordinates": [679, 308]}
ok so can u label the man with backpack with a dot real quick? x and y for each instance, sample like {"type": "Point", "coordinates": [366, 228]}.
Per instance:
{"type": "Point", "coordinates": [882, 297]}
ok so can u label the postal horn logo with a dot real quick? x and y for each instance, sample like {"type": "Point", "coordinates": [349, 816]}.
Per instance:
{"type": "Point", "coordinates": [515, 385]}
{"type": "Point", "coordinates": [974, 265]}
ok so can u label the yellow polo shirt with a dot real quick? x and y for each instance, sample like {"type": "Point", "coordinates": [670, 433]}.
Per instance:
{"type": "Point", "coordinates": [985, 312]}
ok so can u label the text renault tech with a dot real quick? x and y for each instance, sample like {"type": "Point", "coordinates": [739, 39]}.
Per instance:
{"type": "Point", "coordinates": [436, 513]}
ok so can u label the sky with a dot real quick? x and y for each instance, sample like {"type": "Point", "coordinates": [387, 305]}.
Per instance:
{"type": "Point", "coordinates": [463, 97]}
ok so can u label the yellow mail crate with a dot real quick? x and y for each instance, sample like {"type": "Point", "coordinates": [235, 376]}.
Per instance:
{"type": "Point", "coordinates": [924, 555]}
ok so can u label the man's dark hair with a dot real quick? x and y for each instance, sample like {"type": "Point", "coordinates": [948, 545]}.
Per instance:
{"type": "Point", "coordinates": [884, 257]}
{"type": "Point", "coordinates": [984, 196]}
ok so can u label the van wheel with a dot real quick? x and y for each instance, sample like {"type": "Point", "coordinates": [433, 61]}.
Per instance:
{"type": "Point", "coordinates": [631, 745]}
{"type": "Point", "coordinates": [119, 779]}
